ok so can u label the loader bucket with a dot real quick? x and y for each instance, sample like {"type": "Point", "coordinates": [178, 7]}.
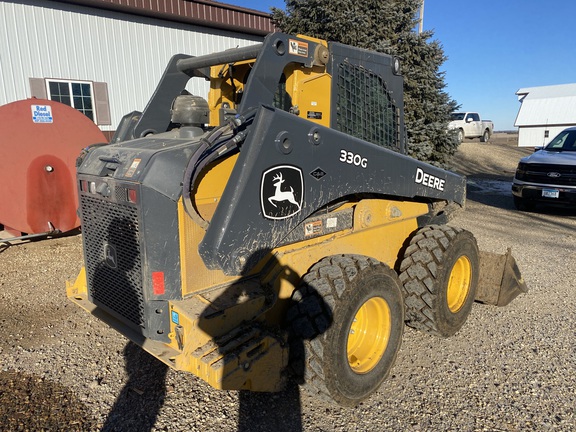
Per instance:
{"type": "Point", "coordinates": [500, 279]}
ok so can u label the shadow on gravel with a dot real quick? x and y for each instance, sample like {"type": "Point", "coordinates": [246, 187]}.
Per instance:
{"type": "Point", "coordinates": [32, 403]}
{"type": "Point", "coordinates": [542, 224]}
{"type": "Point", "coordinates": [266, 412]}
{"type": "Point", "coordinates": [493, 191]}
{"type": "Point", "coordinates": [137, 406]}
{"type": "Point", "coordinates": [496, 191]}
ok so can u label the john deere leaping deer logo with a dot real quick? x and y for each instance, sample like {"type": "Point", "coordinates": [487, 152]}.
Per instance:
{"type": "Point", "coordinates": [280, 195]}
{"type": "Point", "coordinates": [281, 192]}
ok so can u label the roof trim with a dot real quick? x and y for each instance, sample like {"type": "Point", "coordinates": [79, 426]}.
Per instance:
{"type": "Point", "coordinates": [558, 90]}
{"type": "Point", "coordinates": [203, 13]}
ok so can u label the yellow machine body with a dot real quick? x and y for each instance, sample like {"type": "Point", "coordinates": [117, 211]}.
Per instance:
{"type": "Point", "coordinates": [197, 341]}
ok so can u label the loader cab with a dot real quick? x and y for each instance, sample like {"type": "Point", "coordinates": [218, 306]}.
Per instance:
{"type": "Point", "coordinates": [294, 87]}
{"type": "Point", "coordinates": [332, 85]}
{"type": "Point", "coordinates": [351, 90]}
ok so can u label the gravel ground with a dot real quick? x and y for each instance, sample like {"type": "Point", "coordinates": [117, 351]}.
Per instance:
{"type": "Point", "coordinates": [508, 369]}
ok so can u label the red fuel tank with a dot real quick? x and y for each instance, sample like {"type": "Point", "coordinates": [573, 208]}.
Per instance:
{"type": "Point", "coordinates": [39, 143]}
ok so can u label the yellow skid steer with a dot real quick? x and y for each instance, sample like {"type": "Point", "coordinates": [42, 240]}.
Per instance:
{"type": "Point", "coordinates": [277, 230]}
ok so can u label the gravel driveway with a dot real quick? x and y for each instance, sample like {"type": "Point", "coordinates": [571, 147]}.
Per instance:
{"type": "Point", "coordinates": [508, 369]}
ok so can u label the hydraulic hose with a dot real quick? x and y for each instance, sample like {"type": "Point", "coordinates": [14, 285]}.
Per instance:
{"type": "Point", "coordinates": [211, 149]}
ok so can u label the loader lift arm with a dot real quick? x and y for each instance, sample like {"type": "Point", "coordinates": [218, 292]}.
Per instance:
{"type": "Point", "coordinates": [244, 223]}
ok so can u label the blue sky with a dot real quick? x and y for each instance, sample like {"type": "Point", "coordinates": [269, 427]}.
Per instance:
{"type": "Point", "coordinates": [494, 48]}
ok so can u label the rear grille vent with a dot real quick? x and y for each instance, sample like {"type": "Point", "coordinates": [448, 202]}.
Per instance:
{"type": "Point", "coordinates": [113, 260]}
{"type": "Point", "coordinates": [365, 108]}
{"type": "Point", "coordinates": [121, 194]}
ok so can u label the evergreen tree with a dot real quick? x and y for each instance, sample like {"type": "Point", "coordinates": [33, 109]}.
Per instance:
{"type": "Point", "coordinates": [388, 26]}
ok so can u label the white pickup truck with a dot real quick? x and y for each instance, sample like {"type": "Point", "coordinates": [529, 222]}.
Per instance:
{"type": "Point", "coordinates": [469, 125]}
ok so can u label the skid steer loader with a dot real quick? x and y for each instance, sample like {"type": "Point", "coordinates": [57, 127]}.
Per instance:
{"type": "Point", "coordinates": [277, 229]}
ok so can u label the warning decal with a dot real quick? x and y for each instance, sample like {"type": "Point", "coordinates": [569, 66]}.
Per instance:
{"type": "Point", "coordinates": [133, 168]}
{"type": "Point", "coordinates": [313, 228]}
{"type": "Point", "coordinates": [298, 48]}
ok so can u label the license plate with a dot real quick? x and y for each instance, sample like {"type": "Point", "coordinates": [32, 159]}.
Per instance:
{"type": "Point", "coordinates": [550, 193]}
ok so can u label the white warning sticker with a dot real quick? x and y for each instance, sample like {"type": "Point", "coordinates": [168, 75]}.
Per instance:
{"type": "Point", "coordinates": [331, 222]}
{"type": "Point", "coordinates": [298, 48]}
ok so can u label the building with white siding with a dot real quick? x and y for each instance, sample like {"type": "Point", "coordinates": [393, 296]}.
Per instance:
{"type": "Point", "coordinates": [545, 112]}
{"type": "Point", "coordinates": [105, 57]}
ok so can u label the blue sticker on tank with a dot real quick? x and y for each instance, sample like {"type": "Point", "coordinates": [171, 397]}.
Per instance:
{"type": "Point", "coordinates": [175, 318]}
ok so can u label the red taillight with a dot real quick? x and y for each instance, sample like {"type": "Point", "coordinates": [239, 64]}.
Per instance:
{"type": "Point", "coordinates": [158, 283]}
{"type": "Point", "coordinates": [132, 196]}
{"type": "Point", "coordinates": [86, 186]}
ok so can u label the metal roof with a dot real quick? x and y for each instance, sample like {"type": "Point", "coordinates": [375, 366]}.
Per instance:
{"type": "Point", "coordinates": [207, 13]}
{"type": "Point", "coordinates": [547, 105]}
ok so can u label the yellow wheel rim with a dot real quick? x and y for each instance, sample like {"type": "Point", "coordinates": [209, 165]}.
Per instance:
{"type": "Point", "coordinates": [368, 335]}
{"type": "Point", "coordinates": [459, 284]}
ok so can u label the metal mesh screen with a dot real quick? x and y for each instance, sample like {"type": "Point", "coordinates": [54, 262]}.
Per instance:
{"type": "Point", "coordinates": [282, 99]}
{"type": "Point", "coordinates": [113, 260]}
{"type": "Point", "coordinates": [364, 107]}
{"type": "Point", "coordinates": [121, 194]}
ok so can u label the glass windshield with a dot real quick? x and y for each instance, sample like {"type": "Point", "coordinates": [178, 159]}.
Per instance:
{"type": "Point", "coordinates": [457, 116]}
{"type": "Point", "coordinates": [564, 141]}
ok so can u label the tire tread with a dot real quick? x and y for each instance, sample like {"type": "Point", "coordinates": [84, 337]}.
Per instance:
{"type": "Point", "coordinates": [309, 316]}
{"type": "Point", "coordinates": [418, 272]}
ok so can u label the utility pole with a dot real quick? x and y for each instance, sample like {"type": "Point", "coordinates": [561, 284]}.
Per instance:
{"type": "Point", "coordinates": [421, 23]}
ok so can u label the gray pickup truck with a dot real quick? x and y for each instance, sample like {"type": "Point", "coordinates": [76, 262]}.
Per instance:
{"type": "Point", "coordinates": [548, 175]}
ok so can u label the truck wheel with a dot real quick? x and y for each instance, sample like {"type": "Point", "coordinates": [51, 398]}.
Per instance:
{"type": "Point", "coordinates": [485, 136]}
{"type": "Point", "coordinates": [439, 273]}
{"type": "Point", "coordinates": [345, 325]}
{"type": "Point", "coordinates": [460, 136]}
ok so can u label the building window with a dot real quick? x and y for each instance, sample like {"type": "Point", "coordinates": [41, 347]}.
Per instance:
{"type": "Point", "coordinates": [88, 97]}
{"type": "Point", "coordinates": [76, 94]}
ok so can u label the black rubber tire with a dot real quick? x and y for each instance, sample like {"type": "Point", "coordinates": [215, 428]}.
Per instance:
{"type": "Point", "coordinates": [485, 136]}
{"type": "Point", "coordinates": [460, 136]}
{"type": "Point", "coordinates": [425, 272]}
{"type": "Point", "coordinates": [320, 320]}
